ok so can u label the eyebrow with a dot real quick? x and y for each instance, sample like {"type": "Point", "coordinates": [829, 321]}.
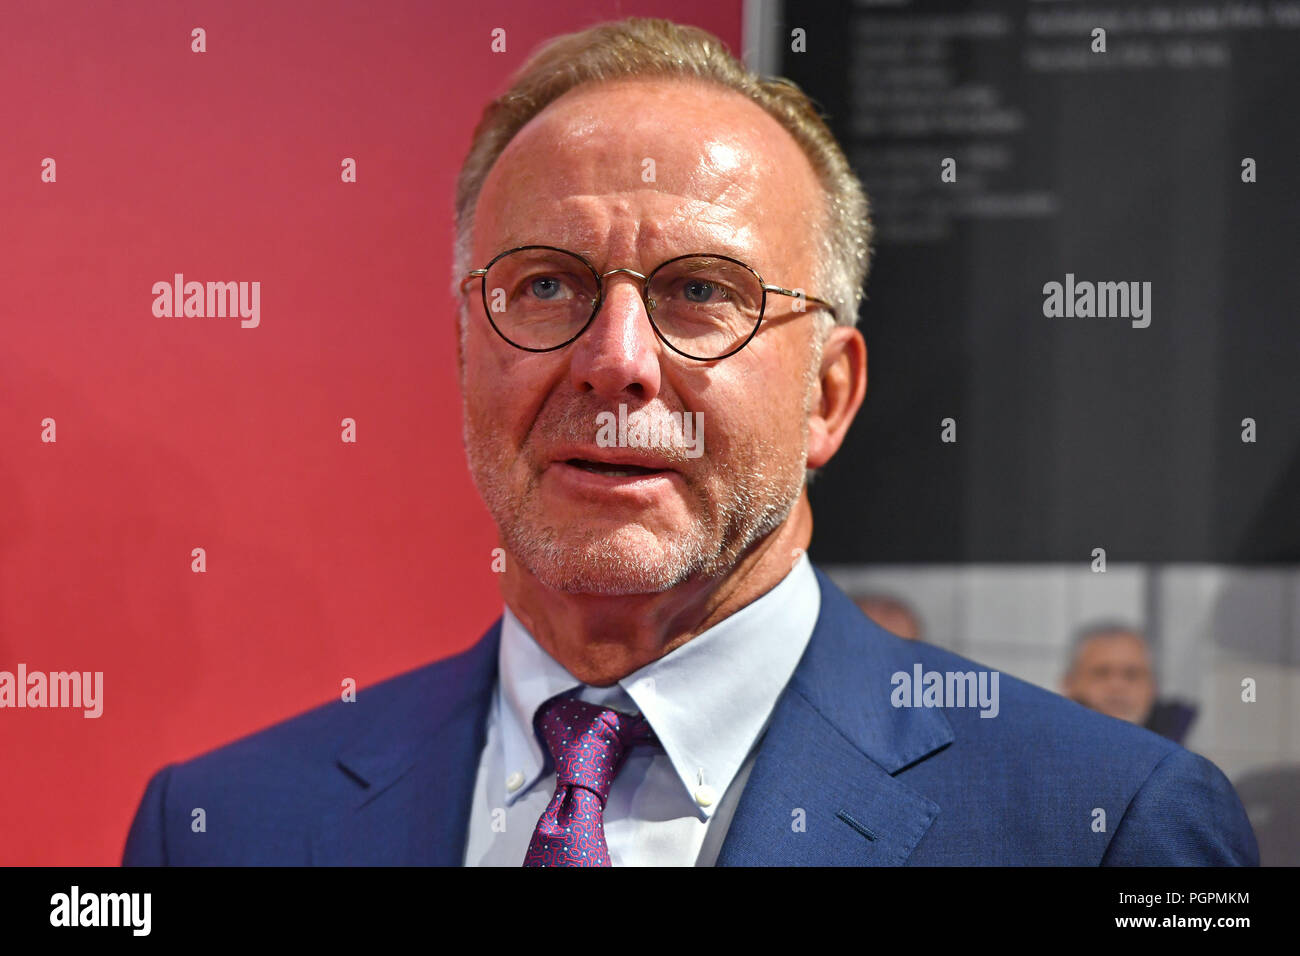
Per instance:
{"type": "Point", "coordinates": [721, 247]}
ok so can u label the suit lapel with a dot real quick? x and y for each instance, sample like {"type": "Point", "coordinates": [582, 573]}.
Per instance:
{"type": "Point", "coordinates": [823, 789]}
{"type": "Point", "coordinates": [416, 766]}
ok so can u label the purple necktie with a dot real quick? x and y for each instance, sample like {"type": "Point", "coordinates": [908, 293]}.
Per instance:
{"type": "Point", "coordinates": [588, 744]}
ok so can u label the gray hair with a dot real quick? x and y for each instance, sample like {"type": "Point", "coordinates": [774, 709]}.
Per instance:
{"type": "Point", "coordinates": [1102, 628]}
{"type": "Point", "coordinates": [637, 47]}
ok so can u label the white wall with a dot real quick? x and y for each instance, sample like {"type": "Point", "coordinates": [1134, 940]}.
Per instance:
{"type": "Point", "coordinates": [1210, 627]}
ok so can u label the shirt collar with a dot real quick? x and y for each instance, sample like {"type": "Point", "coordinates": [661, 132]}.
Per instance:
{"type": "Point", "coordinates": [707, 701]}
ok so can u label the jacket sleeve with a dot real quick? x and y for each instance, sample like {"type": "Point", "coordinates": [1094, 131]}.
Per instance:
{"type": "Point", "coordinates": [146, 843]}
{"type": "Point", "coordinates": [1184, 814]}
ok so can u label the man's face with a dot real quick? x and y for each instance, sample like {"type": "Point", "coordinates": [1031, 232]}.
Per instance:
{"type": "Point", "coordinates": [1112, 674]}
{"type": "Point", "coordinates": [727, 179]}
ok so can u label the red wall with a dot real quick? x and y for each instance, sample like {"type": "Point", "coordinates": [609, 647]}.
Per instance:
{"type": "Point", "coordinates": [325, 560]}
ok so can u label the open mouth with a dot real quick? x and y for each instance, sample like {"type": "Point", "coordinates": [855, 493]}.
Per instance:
{"type": "Point", "coordinates": [614, 471]}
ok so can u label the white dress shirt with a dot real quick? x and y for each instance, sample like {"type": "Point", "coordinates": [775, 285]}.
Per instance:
{"type": "Point", "coordinates": [708, 702]}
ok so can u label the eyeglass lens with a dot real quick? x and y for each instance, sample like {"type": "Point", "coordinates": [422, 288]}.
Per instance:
{"type": "Point", "coordinates": [703, 306]}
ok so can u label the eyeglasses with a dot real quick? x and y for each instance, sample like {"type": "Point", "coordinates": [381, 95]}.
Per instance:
{"type": "Point", "coordinates": [704, 307]}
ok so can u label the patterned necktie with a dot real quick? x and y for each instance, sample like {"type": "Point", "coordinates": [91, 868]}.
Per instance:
{"type": "Point", "coordinates": [588, 744]}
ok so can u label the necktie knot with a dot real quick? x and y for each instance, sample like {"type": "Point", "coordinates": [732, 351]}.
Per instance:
{"type": "Point", "coordinates": [588, 744]}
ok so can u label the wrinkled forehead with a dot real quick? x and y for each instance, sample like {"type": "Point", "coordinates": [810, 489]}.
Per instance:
{"type": "Point", "coordinates": [651, 167]}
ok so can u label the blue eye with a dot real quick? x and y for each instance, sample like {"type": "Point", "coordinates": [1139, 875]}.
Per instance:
{"type": "Point", "coordinates": [698, 286]}
{"type": "Point", "coordinates": [545, 287]}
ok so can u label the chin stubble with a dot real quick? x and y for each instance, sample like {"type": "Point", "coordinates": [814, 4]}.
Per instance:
{"type": "Point", "coordinates": [756, 497]}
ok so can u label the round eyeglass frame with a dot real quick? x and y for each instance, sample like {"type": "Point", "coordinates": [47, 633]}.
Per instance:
{"type": "Point", "coordinates": [645, 299]}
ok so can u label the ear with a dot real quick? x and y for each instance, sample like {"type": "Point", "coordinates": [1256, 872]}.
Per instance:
{"type": "Point", "coordinates": [843, 379]}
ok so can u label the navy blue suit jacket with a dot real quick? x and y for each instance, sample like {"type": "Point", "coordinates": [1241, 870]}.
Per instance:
{"type": "Point", "coordinates": [842, 777]}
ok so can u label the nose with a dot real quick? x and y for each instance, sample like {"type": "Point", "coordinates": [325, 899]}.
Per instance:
{"type": "Point", "coordinates": [618, 356]}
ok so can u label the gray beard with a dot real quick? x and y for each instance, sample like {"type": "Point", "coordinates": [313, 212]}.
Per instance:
{"type": "Point", "coordinates": [619, 562]}
{"type": "Point", "coordinates": [752, 506]}
{"type": "Point", "coordinates": [604, 565]}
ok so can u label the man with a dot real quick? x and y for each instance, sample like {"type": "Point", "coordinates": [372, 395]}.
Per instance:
{"type": "Point", "coordinates": [671, 681]}
{"type": "Point", "coordinates": [1111, 672]}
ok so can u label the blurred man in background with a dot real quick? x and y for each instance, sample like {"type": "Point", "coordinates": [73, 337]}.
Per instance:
{"type": "Point", "coordinates": [1111, 672]}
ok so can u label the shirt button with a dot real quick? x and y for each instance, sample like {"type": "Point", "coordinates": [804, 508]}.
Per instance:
{"type": "Point", "coordinates": [514, 781]}
{"type": "Point", "coordinates": [705, 795]}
